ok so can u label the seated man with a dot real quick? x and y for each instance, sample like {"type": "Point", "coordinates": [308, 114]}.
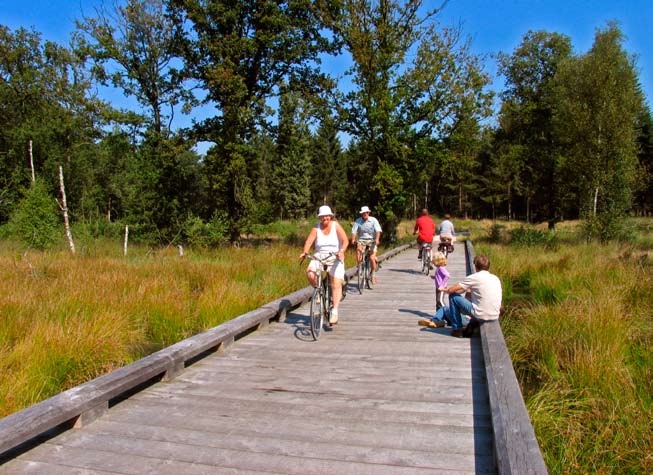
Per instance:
{"type": "Point", "coordinates": [486, 298]}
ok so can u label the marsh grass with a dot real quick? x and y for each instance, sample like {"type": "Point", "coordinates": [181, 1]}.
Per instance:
{"type": "Point", "coordinates": [68, 319]}
{"type": "Point", "coordinates": [577, 322]}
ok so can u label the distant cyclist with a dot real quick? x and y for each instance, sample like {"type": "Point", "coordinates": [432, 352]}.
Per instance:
{"type": "Point", "coordinates": [366, 231]}
{"type": "Point", "coordinates": [425, 230]}
{"type": "Point", "coordinates": [446, 229]}
{"type": "Point", "coordinates": [329, 237]}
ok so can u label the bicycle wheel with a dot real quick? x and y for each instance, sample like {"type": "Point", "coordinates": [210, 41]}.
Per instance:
{"type": "Point", "coordinates": [368, 273]}
{"type": "Point", "coordinates": [317, 312]}
{"type": "Point", "coordinates": [425, 262]}
{"type": "Point", "coordinates": [360, 274]}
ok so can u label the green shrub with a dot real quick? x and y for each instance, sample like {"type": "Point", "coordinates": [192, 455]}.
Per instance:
{"type": "Point", "coordinates": [35, 221]}
{"type": "Point", "coordinates": [197, 233]}
{"type": "Point", "coordinates": [494, 234]}
{"type": "Point", "coordinates": [527, 236]}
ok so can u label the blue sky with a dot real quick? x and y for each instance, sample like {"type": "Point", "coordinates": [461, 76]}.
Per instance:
{"type": "Point", "coordinates": [493, 25]}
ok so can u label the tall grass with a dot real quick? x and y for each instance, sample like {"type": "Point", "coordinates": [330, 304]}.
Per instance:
{"type": "Point", "coordinates": [578, 326]}
{"type": "Point", "coordinates": [68, 319]}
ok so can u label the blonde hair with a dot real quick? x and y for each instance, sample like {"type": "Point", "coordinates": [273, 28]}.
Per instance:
{"type": "Point", "coordinates": [439, 259]}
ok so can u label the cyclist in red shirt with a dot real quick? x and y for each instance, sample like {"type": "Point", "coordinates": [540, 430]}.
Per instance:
{"type": "Point", "coordinates": [425, 230]}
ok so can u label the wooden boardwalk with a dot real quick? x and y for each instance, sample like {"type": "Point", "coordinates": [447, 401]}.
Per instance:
{"type": "Point", "coordinates": [376, 395]}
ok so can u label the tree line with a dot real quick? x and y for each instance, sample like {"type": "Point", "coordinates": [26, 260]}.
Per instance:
{"type": "Point", "coordinates": [571, 137]}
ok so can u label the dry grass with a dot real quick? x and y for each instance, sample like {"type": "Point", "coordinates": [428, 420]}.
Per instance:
{"type": "Point", "coordinates": [578, 328]}
{"type": "Point", "coordinates": [68, 319]}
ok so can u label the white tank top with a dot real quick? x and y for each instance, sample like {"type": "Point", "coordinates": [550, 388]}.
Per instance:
{"type": "Point", "coordinates": [327, 242]}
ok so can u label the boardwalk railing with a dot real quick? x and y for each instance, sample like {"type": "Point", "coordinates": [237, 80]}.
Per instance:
{"type": "Point", "coordinates": [515, 447]}
{"type": "Point", "coordinates": [83, 404]}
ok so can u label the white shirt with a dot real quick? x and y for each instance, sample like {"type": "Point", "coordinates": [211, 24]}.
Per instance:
{"type": "Point", "coordinates": [486, 294]}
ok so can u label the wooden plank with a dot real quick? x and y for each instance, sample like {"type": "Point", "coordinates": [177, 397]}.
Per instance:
{"type": "Point", "coordinates": [375, 395]}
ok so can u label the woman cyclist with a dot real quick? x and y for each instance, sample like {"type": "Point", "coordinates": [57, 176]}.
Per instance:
{"type": "Point", "coordinates": [329, 237]}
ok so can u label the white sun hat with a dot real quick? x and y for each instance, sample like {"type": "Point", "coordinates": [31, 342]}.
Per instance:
{"type": "Point", "coordinates": [324, 211]}
{"type": "Point", "coordinates": [364, 209]}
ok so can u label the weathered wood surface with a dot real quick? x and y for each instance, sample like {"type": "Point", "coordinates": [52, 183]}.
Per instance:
{"type": "Point", "coordinates": [377, 394]}
{"type": "Point", "coordinates": [516, 448]}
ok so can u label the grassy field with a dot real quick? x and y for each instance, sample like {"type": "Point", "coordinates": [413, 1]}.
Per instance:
{"type": "Point", "coordinates": [577, 322]}
{"type": "Point", "coordinates": [68, 319]}
{"type": "Point", "coordinates": [578, 327]}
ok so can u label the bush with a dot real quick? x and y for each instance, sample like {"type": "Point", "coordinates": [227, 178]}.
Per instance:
{"type": "Point", "coordinates": [606, 227]}
{"type": "Point", "coordinates": [197, 233]}
{"type": "Point", "coordinates": [527, 236]}
{"type": "Point", "coordinates": [35, 221]}
{"type": "Point", "coordinates": [494, 234]}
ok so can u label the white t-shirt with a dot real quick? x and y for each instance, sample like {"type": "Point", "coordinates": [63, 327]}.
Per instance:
{"type": "Point", "coordinates": [486, 294]}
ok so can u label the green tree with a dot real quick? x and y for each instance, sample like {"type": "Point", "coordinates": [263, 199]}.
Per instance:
{"type": "Point", "coordinates": [329, 168]}
{"type": "Point", "coordinates": [597, 109]}
{"type": "Point", "coordinates": [411, 80]}
{"type": "Point", "coordinates": [35, 221]}
{"type": "Point", "coordinates": [135, 48]}
{"type": "Point", "coordinates": [44, 98]}
{"type": "Point", "coordinates": [240, 52]}
{"type": "Point", "coordinates": [526, 138]}
{"type": "Point", "coordinates": [292, 172]}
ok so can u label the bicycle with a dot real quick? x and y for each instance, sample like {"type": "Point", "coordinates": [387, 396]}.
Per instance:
{"type": "Point", "coordinates": [364, 272]}
{"type": "Point", "coordinates": [426, 258]}
{"type": "Point", "coordinates": [321, 300]}
{"type": "Point", "coordinates": [446, 245]}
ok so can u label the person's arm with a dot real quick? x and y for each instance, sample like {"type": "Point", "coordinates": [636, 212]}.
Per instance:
{"type": "Point", "coordinates": [378, 237]}
{"type": "Point", "coordinates": [377, 228]}
{"type": "Point", "coordinates": [344, 242]}
{"type": "Point", "coordinates": [309, 242]}
{"type": "Point", "coordinates": [416, 228]}
{"type": "Point", "coordinates": [354, 231]}
{"type": "Point", "coordinates": [456, 289]}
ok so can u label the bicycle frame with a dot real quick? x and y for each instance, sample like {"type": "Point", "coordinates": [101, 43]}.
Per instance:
{"type": "Point", "coordinates": [365, 269]}
{"type": "Point", "coordinates": [321, 300]}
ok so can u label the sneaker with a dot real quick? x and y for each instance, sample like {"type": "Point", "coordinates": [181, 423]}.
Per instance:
{"type": "Point", "coordinates": [419, 256]}
{"type": "Point", "coordinates": [438, 323]}
{"type": "Point", "coordinates": [425, 323]}
{"type": "Point", "coordinates": [333, 318]}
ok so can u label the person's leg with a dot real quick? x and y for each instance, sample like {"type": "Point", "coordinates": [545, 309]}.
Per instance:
{"type": "Point", "coordinates": [311, 274]}
{"type": "Point", "coordinates": [359, 252]}
{"type": "Point", "coordinates": [337, 273]}
{"type": "Point", "coordinates": [419, 248]}
{"type": "Point", "coordinates": [459, 305]}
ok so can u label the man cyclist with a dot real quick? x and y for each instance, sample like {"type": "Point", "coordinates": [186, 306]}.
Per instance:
{"type": "Point", "coordinates": [329, 237]}
{"type": "Point", "coordinates": [367, 232]}
{"type": "Point", "coordinates": [425, 230]}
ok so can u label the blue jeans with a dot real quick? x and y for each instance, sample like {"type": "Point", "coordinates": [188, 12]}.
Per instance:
{"type": "Point", "coordinates": [459, 305]}
{"type": "Point", "coordinates": [443, 313]}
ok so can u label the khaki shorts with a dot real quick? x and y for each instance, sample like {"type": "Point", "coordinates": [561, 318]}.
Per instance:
{"type": "Point", "coordinates": [367, 242]}
{"type": "Point", "coordinates": [336, 268]}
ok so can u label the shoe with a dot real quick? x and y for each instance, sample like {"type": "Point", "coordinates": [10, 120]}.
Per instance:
{"type": "Point", "coordinates": [333, 318]}
{"type": "Point", "coordinates": [457, 332]}
{"type": "Point", "coordinates": [438, 323]}
{"type": "Point", "coordinates": [419, 257]}
{"type": "Point", "coordinates": [373, 280]}
{"type": "Point", "coordinates": [426, 323]}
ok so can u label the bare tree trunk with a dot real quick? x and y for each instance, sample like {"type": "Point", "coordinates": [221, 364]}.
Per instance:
{"type": "Point", "coordinates": [124, 245]}
{"type": "Point", "coordinates": [426, 195]}
{"type": "Point", "coordinates": [460, 199]}
{"type": "Point", "coordinates": [596, 200]}
{"type": "Point", "coordinates": [64, 208]}
{"type": "Point", "coordinates": [31, 162]}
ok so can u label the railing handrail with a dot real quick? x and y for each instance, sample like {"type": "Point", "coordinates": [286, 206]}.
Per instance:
{"type": "Point", "coordinates": [84, 403]}
{"type": "Point", "coordinates": [515, 446]}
